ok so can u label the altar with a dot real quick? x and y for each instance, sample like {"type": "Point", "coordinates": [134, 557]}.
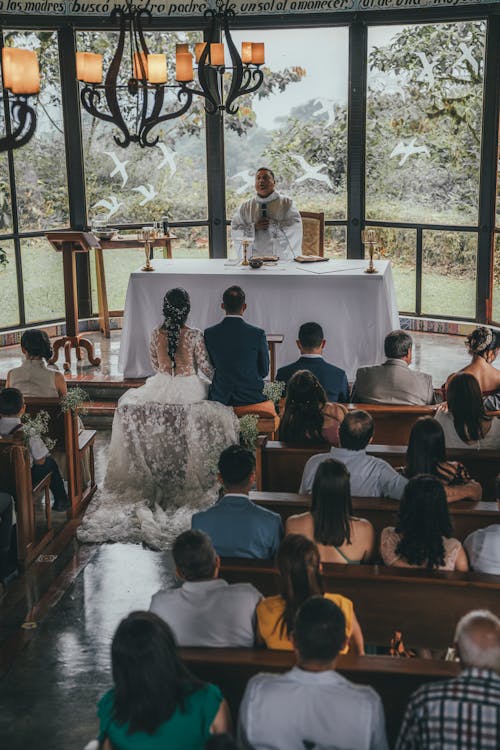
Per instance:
{"type": "Point", "coordinates": [356, 310]}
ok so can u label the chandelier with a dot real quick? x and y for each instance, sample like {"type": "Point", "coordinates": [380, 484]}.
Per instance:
{"type": "Point", "coordinates": [21, 79]}
{"type": "Point", "coordinates": [148, 75]}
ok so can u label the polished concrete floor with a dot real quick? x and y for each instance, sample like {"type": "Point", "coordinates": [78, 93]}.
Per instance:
{"type": "Point", "coordinates": [57, 621]}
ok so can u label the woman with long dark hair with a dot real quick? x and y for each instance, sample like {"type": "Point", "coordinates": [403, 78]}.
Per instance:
{"type": "Point", "coordinates": [155, 702]}
{"type": "Point", "coordinates": [33, 377]}
{"type": "Point", "coordinates": [426, 454]}
{"type": "Point", "coordinates": [466, 424]}
{"type": "Point", "coordinates": [483, 345]}
{"type": "Point", "coordinates": [308, 416]}
{"type": "Point", "coordinates": [340, 536]}
{"type": "Point", "coordinates": [300, 573]}
{"type": "Point", "coordinates": [165, 441]}
{"type": "Point", "coordinates": [422, 537]}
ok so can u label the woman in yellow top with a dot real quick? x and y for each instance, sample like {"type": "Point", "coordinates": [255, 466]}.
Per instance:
{"type": "Point", "coordinates": [300, 570]}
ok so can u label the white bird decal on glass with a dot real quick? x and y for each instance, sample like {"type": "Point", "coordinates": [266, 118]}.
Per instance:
{"type": "Point", "coordinates": [119, 167]}
{"type": "Point", "coordinates": [327, 108]}
{"type": "Point", "coordinates": [468, 56]}
{"type": "Point", "coordinates": [110, 205]}
{"type": "Point", "coordinates": [407, 150]}
{"type": "Point", "coordinates": [311, 171]}
{"type": "Point", "coordinates": [246, 177]}
{"type": "Point", "coordinates": [427, 72]}
{"type": "Point", "coordinates": [148, 192]}
{"type": "Point", "coordinates": [169, 157]}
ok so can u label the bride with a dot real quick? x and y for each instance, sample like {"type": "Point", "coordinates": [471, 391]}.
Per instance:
{"type": "Point", "coordinates": [165, 442]}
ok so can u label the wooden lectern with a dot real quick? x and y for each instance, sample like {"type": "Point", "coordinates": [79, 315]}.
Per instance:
{"type": "Point", "coordinates": [69, 243]}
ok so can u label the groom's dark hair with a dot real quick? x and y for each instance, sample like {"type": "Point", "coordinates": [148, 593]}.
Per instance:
{"type": "Point", "coordinates": [235, 466]}
{"type": "Point", "coordinates": [233, 299]}
{"type": "Point", "coordinates": [194, 556]}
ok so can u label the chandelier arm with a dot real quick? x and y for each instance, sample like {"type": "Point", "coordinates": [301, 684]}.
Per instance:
{"type": "Point", "coordinates": [25, 116]}
{"type": "Point", "coordinates": [245, 89]}
{"type": "Point", "coordinates": [235, 89]}
{"type": "Point", "coordinates": [110, 84]}
{"type": "Point", "coordinates": [212, 103]}
{"type": "Point", "coordinates": [151, 123]}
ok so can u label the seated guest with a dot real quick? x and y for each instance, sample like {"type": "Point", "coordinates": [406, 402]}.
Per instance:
{"type": "Point", "coordinates": [340, 536]}
{"type": "Point", "coordinates": [155, 702]}
{"type": "Point", "coordinates": [6, 507]}
{"type": "Point", "coordinates": [466, 424]}
{"type": "Point", "coordinates": [12, 408]}
{"type": "Point", "coordinates": [483, 345]}
{"type": "Point", "coordinates": [370, 476]}
{"type": "Point", "coordinates": [311, 344]}
{"type": "Point", "coordinates": [33, 377]}
{"type": "Point", "coordinates": [393, 382]}
{"type": "Point", "coordinates": [239, 353]}
{"type": "Point", "coordinates": [426, 454]}
{"type": "Point", "coordinates": [308, 416]}
{"type": "Point", "coordinates": [236, 526]}
{"type": "Point", "coordinates": [312, 706]}
{"type": "Point", "coordinates": [205, 610]}
{"type": "Point", "coordinates": [483, 549]}
{"type": "Point", "coordinates": [422, 537]}
{"type": "Point", "coordinates": [300, 573]}
{"type": "Point", "coordinates": [273, 220]}
{"type": "Point", "coordinates": [465, 711]}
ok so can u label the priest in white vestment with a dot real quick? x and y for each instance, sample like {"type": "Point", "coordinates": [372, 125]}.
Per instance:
{"type": "Point", "coordinates": [270, 221]}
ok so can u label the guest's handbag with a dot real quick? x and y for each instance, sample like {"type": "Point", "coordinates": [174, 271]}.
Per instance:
{"type": "Point", "coordinates": [397, 647]}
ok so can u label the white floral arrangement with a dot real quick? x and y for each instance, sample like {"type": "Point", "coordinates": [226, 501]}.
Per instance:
{"type": "Point", "coordinates": [249, 431]}
{"type": "Point", "coordinates": [3, 259]}
{"type": "Point", "coordinates": [274, 390]}
{"type": "Point", "coordinates": [74, 400]}
{"type": "Point", "coordinates": [38, 427]}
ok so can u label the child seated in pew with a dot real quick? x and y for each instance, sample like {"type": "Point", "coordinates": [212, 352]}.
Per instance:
{"type": "Point", "coordinates": [12, 408]}
{"type": "Point", "coordinates": [422, 537]}
{"type": "Point", "coordinates": [300, 572]}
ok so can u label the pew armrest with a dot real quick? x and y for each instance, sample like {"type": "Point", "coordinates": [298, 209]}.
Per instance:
{"type": "Point", "coordinates": [43, 484]}
{"type": "Point", "coordinates": [85, 439]}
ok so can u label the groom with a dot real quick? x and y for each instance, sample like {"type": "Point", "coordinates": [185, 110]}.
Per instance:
{"type": "Point", "coordinates": [239, 354]}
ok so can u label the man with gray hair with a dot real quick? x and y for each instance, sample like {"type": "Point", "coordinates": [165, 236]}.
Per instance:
{"type": "Point", "coordinates": [393, 382]}
{"type": "Point", "coordinates": [464, 712]}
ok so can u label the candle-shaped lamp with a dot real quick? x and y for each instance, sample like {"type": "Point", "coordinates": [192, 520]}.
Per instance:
{"type": "Point", "coordinates": [246, 52]}
{"type": "Point", "coordinates": [21, 73]}
{"type": "Point", "coordinates": [217, 54]}
{"type": "Point", "coordinates": [183, 67]}
{"type": "Point", "coordinates": [157, 69]}
{"type": "Point", "coordinates": [258, 57]}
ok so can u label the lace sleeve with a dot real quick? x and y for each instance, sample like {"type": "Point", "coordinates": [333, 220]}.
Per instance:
{"type": "Point", "coordinates": [201, 359]}
{"type": "Point", "coordinates": [153, 349]}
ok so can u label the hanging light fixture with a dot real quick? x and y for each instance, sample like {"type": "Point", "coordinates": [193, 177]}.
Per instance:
{"type": "Point", "coordinates": [148, 75]}
{"type": "Point", "coordinates": [21, 79]}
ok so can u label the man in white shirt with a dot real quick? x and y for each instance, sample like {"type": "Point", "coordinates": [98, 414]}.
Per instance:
{"type": "Point", "coordinates": [205, 610]}
{"type": "Point", "coordinates": [312, 706]}
{"type": "Point", "coordinates": [370, 476]}
{"type": "Point", "coordinates": [483, 549]}
{"type": "Point", "coordinates": [273, 220]}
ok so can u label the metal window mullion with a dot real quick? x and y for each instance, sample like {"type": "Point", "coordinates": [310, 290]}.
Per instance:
{"type": "Point", "coordinates": [356, 135]}
{"type": "Point", "coordinates": [418, 279]}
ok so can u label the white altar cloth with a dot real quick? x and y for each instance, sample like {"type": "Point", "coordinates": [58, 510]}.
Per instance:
{"type": "Point", "coordinates": [357, 310]}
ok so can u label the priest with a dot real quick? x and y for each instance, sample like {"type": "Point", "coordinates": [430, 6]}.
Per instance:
{"type": "Point", "coordinates": [269, 221]}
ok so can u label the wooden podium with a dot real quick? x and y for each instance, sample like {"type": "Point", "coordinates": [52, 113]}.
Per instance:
{"type": "Point", "coordinates": [69, 243]}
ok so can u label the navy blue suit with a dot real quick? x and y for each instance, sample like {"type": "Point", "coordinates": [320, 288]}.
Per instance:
{"type": "Point", "coordinates": [240, 356]}
{"type": "Point", "coordinates": [333, 379]}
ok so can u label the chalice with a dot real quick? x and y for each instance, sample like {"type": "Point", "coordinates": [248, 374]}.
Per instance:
{"type": "Point", "coordinates": [146, 235]}
{"type": "Point", "coordinates": [245, 244]}
{"type": "Point", "coordinates": [369, 237]}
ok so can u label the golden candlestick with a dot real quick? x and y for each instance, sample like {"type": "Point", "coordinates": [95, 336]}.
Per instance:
{"type": "Point", "coordinates": [369, 237]}
{"type": "Point", "coordinates": [245, 244]}
{"type": "Point", "coordinates": [146, 234]}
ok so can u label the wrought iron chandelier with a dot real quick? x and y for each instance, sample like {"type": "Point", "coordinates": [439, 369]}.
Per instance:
{"type": "Point", "coordinates": [148, 75]}
{"type": "Point", "coordinates": [21, 79]}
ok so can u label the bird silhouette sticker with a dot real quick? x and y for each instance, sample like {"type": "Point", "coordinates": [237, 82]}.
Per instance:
{"type": "Point", "coordinates": [407, 150]}
{"type": "Point", "coordinates": [111, 205]}
{"type": "Point", "coordinates": [169, 158]}
{"type": "Point", "coordinates": [119, 167]}
{"type": "Point", "coordinates": [148, 192]}
{"type": "Point", "coordinates": [311, 171]}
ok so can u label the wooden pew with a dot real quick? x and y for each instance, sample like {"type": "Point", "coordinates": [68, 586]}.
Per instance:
{"type": "Point", "coordinates": [467, 516]}
{"type": "Point", "coordinates": [64, 429]}
{"type": "Point", "coordinates": [393, 423]}
{"type": "Point", "coordinates": [15, 472]}
{"type": "Point", "coordinates": [279, 466]}
{"type": "Point", "coordinates": [425, 606]}
{"type": "Point", "coordinates": [393, 679]}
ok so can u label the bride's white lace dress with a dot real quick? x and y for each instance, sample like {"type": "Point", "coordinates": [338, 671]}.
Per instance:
{"type": "Point", "coordinates": [165, 443]}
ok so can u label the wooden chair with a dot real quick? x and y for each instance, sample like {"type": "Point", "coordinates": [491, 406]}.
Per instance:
{"type": "Point", "coordinates": [313, 233]}
{"type": "Point", "coordinates": [64, 429]}
{"type": "Point", "coordinates": [425, 606]}
{"type": "Point", "coordinates": [15, 472]}
{"type": "Point", "coordinates": [466, 516]}
{"type": "Point", "coordinates": [393, 679]}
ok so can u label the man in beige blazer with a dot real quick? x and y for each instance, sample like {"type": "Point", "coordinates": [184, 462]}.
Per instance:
{"type": "Point", "coordinates": [393, 382]}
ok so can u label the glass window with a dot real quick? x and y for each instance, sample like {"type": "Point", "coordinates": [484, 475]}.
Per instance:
{"type": "Point", "coordinates": [423, 127]}
{"type": "Point", "coordinates": [296, 123]}
{"type": "Point", "coordinates": [336, 242]}
{"type": "Point", "coordinates": [449, 274]}
{"type": "Point", "coordinates": [496, 280]}
{"type": "Point", "coordinates": [40, 165]}
{"type": "Point", "coordinates": [9, 307]}
{"type": "Point", "coordinates": [399, 246]}
{"type": "Point", "coordinates": [43, 280]}
{"type": "Point", "coordinates": [134, 184]}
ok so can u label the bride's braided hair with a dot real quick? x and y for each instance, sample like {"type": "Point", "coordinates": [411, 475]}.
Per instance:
{"type": "Point", "coordinates": [176, 307]}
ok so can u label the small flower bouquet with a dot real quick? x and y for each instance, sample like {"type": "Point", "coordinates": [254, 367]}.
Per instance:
{"type": "Point", "coordinates": [249, 431]}
{"type": "Point", "coordinates": [74, 400]}
{"type": "Point", "coordinates": [38, 427]}
{"type": "Point", "coordinates": [274, 390]}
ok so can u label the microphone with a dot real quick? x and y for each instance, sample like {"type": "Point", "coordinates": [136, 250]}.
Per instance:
{"type": "Point", "coordinates": [263, 210]}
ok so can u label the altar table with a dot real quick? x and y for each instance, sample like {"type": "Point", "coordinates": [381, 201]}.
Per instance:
{"type": "Point", "coordinates": [356, 310]}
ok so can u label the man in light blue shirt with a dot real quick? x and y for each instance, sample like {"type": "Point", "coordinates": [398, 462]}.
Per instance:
{"type": "Point", "coordinates": [236, 526]}
{"type": "Point", "coordinates": [370, 476]}
{"type": "Point", "coordinates": [312, 706]}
